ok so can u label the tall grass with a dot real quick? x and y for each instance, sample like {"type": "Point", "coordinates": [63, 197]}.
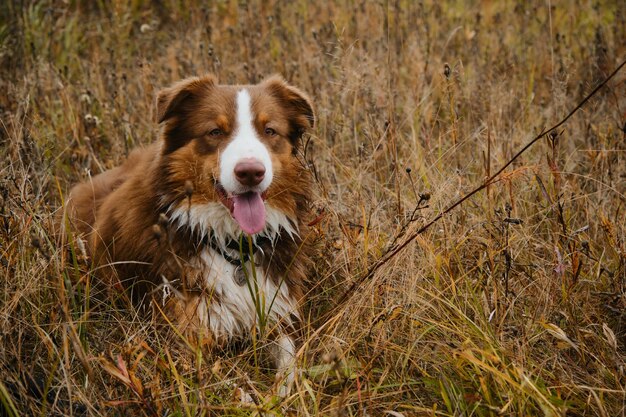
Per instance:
{"type": "Point", "coordinates": [513, 304]}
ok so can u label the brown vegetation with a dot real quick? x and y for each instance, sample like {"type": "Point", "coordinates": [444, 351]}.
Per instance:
{"type": "Point", "coordinates": [513, 304]}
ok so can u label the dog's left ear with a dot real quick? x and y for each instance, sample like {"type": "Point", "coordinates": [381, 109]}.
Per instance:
{"type": "Point", "coordinates": [296, 103]}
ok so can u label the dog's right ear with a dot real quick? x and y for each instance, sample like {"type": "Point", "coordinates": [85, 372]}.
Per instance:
{"type": "Point", "coordinates": [170, 100]}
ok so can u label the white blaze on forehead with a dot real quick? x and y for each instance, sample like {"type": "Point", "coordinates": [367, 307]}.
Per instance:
{"type": "Point", "coordinates": [245, 143]}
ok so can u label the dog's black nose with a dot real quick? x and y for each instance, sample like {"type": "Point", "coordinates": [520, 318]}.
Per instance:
{"type": "Point", "coordinates": [250, 172]}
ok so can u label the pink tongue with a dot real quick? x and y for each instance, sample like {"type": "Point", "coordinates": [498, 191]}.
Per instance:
{"type": "Point", "coordinates": [249, 212]}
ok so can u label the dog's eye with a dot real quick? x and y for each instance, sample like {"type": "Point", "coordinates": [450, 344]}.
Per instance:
{"type": "Point", "coordinates": [216, 132]}
{"type": "Point", "coordinates": [269, 131]}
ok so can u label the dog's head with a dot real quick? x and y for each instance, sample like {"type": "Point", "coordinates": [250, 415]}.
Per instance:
{"type": "Point", "coordinates": [233, 145]}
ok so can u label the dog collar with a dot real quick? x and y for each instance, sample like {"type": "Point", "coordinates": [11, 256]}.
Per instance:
{"type": "Point", "coordinates": [243, 252]}
{"type": "Point", "coordinates": [233, 244]}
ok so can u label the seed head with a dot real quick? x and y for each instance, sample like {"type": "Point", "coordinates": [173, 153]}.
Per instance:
{"type": "Point", "coordinates": [554, 135]}
{"type": "Point", "coordinates": [35, 242]}
{"type": "Point", "coordinates": [85, 98]}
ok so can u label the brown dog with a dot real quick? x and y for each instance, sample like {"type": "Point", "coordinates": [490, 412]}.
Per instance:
{"type": "Point", "coordinates": [209, 222]}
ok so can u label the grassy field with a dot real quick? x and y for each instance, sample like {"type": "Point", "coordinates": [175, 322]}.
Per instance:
{"type": "Point", "coordinates": [514, 304]}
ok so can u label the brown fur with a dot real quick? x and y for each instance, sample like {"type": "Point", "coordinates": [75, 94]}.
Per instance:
{"type": "Point", "coordinates": [118, 211]}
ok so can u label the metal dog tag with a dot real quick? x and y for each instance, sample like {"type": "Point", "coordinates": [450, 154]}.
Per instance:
{"type": "Point", "coordinates": [240, 276]}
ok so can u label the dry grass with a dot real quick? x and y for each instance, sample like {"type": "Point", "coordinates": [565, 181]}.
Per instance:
{"type": "Point", "coordinates": [514, 304]}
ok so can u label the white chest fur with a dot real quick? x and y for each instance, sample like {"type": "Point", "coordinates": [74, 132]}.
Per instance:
{"type": "Point", "coordinates": [231, 310]}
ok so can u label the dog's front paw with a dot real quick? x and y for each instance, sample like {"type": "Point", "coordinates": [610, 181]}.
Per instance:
{"type": "Point", "coordinates": [285, 382]}
{"type": "Point", "coordinates": [243, 396]}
